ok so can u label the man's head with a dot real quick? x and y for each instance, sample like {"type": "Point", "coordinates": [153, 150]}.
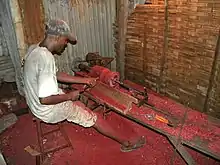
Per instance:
{"type": "Point", "coordinates": [59, 32]}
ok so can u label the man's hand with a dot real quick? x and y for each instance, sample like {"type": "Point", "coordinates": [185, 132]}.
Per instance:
{"type": "Point", "coordinates": [73, 95]}
{"type": "Point", "coordinates": [65, 78]}
{"type": "Point", "coordinates": [91, 82]}
{"type": "Point", "coordinates": [55, 99]}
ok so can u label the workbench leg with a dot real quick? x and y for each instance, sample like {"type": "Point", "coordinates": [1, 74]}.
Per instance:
{"type": "Point", "coordinates": [182, 151]}
{"type": "Point", "coordinates": [84, 100]}
{"type": "Point", "coordinates": [38, 160]}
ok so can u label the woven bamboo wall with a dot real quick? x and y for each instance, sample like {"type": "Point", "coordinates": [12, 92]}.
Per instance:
{"type": "Point", "coordinates": [144, 46]}
{"type": "Point", "coordinates": [172, 50]}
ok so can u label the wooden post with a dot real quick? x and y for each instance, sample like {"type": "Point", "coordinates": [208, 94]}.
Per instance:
{"type": "Point", "coordinates": [214, 75]}
{"type": "Point", "coordinates": [122, 30]}
{"type": "Point", "coordinates": [165, 48]}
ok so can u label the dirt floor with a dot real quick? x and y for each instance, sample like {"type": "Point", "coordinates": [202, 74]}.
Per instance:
{"type": "Point", "coordinates": [91, 148]}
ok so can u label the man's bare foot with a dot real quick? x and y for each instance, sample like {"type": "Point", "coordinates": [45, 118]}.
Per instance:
{"type": "Point", "coordinates": [130, 146]}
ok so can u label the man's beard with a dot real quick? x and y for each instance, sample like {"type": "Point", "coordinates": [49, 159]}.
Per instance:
{"type": "Point", "coordinates": [60, 51]}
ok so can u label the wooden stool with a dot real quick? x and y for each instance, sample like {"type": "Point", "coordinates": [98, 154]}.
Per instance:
{"type": "Point", "coordinates": [40, 137]}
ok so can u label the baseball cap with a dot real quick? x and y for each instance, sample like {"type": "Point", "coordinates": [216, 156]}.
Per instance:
{"type": "Point", "coordinates": [60, 27]}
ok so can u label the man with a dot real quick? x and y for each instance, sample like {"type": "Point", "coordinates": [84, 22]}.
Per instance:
{"type": "Point", "coordinates": [47, 101]}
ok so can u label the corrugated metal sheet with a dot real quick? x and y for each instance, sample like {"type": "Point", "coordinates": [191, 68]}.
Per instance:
{"type": "Point", "coordinates": [92, 23]}
{"type": "Point", "coordinates": [7, 71]}
{"type": "Point", "coordinates": [3, 45]}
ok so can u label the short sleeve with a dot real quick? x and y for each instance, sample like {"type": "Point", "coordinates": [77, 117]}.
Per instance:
{"type": "Point", "coordinates": [47, 81]}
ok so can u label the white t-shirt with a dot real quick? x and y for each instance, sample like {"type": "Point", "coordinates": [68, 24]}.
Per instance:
{"type": "Point", "coordinates": [40, 80]}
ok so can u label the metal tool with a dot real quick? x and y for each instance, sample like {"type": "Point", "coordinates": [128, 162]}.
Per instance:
{"type": "Point", "coordinates": [149, 117]}
{"type": "Point", "coordinates": [92, 59]}
{"type": "Point", "coordinates": [157, 117]}
{"type": "Point", "coordinates": [164, 120]}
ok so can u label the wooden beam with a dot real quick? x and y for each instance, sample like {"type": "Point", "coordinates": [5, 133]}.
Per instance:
{"type": "Point", "coordinates": [182, 151]}
{"type": "Point", "coordinates": [122, 30]}
{"type": "Point", "coordinates": [160, 79]}
{"type": "Point", "coordinates": [214, 75]}
{"type": "Point", "coordinates": [32, 33]}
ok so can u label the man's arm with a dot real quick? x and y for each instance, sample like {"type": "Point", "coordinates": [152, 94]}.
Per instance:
{"type": "Point", "coordinates": [56, 99]}
{"type": "Point", "coordinates": [48, 91]}
{"type": "Point", "coordinates": [66, 78]}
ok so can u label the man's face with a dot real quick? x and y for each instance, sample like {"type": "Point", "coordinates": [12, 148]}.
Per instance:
{"type": "Point", "coordinates": [61, 45]}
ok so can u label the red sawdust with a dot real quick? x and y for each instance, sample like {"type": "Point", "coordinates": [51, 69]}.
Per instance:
{"type": "Point", "coordinates": [214, 146]}
{"type": "Point", "coordinates": [91, 148]}
{"type": "Point", "coordinates": [196, 126]}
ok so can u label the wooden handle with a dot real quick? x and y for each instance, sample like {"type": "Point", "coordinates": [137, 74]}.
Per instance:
{"type": "Point", "coordinates": [162, 119]}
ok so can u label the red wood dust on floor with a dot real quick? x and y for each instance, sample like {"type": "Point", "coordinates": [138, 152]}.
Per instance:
{"type": "Point", "coordinates": [192, 130]}
{"type": "Point", "coordinates": [91, 148]}
{"type": "Point", "coordinates": [196, 126]}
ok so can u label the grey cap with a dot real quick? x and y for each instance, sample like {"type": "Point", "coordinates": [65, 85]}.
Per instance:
{"type": "Point", "coordinates": [60, 27]}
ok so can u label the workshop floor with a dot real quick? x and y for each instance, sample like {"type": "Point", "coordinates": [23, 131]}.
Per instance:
{"type": "Point", "coordinates": [91, 148]}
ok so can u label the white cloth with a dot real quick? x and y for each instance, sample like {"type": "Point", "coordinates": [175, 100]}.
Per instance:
{"type": "Point", "coordinates": [40, 81]}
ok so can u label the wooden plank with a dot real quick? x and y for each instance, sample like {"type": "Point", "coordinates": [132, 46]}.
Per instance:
{"type": "Point", "coordinates": [32, 33]}
{"type": "Point", "coordinates": [122, 30]}
{"type": "Point", "coordinates": [214, 74]}
{"type": "Point", "coordinates": [113, 95]}
{"type": "Point", "coordinates": [182, 151]}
